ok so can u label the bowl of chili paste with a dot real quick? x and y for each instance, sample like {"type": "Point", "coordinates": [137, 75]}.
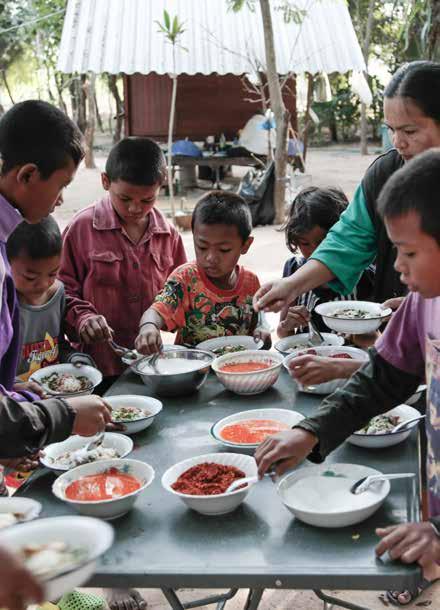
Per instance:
{"type": "Point", "coordinates": [200, 482]}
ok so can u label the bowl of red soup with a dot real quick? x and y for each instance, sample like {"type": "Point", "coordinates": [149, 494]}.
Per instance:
{"type": "Point", "coordinates": [248, 372]}
{"type": "Point", "coordinates": [244, 431]}
{"type": "Point", "coordinates": [201, 482]}
{"type": "Point", "coordinates": [106, 489]}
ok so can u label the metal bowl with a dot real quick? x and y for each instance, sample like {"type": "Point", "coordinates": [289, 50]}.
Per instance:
{"type": "Point", "coordinates": [175, 384]}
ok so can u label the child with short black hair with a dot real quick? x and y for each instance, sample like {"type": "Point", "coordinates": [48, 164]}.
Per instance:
{"type": "Point", "coordinates": [118, 254]}
{"type": "Point", "coordinates": [34, 252]}
{"type": "Point", "coordinates": [407, 351]}
{"type": "Point", "coordinates": [211, 297]}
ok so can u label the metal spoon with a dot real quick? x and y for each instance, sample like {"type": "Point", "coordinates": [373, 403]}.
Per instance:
{"type": "Point", "coordinates": [248, 481]}
{"type": "Point", "coordinates": [129, 354]}
{"type": "Point", "coordinates": [364, 483]}
{"type": "Point", "coordinates": [406, 423]}
{"type": "Point", "coordinates": [152, 362]}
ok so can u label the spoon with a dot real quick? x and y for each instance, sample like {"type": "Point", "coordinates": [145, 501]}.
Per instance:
{"type": "Point", "coordinates": [248, 481]}
{"type": "Point", "coordinates": [152, 362]}
{"type": "Point", "coordinates": [130, 354]}
{"type": "Point", "coordinates": [364, 483]}
{"type": "Point", "coordinates": [406, 423]}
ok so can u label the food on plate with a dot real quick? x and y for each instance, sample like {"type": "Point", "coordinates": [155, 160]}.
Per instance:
{"type": "Point", "coordinates": [66, 383]}
{"type": "Point", "coordinates": [120, 414]}
{"type": "Point", "coordinates": [207, 479]}
{"type": "Point", "coordinates": [112, 483]}
{"type": "Point", "coordinates": [351, 313]}
{"type": "Point", "coordinates": [228, 349]}
{"type": "Point", "coordinates": [251, 431]}
{"type": "Point", "coordinates": [70, 459]}
{"type": "Point", "coordinates": [313, 352]}
{"type": "Point", "coordinates": [51, 558]}
{"type": "Point", "coordinates": [245, 367]}
{"type": "Point", "coordinates": [381, 424]}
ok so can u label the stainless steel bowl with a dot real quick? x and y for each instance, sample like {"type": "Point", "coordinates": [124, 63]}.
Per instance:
{"type": "Point", "coordinates": [175, 384]}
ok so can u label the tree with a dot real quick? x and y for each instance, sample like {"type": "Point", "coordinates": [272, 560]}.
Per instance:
{"type": "Point", "coordinates": [172, 30]}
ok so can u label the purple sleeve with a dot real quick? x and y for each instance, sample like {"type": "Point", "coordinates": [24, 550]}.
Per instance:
{"type": "Point", "coordinates": [400, 344]}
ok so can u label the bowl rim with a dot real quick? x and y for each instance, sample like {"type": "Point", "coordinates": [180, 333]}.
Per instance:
{"type": "Point", "coordinates": [395, 434]}
{"type": "Point", "coordinates": [384, 313]}
{"type": "Point", "coordinates": [168, 487]}
{"type": "Point", "coordinates": [224, 339]}
{"type": "Point", "coordinates": [257, 353]}
{"type": "Point", "coordinates": [109, 463]}
{"type": "Point", "coordinates": [324, 334]}
{"type": "Point", "coordinates": [36, 374]}
{"type": "Point", "coordinates": [359, 352]}
{"type": "Point", "coordinates": [203, 363]}
{"type": "Point", "coordinates": [159, 408]}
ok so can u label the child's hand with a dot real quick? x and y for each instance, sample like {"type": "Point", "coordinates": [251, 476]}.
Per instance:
{"type": "Point", "coordinates": [393, 303]}
{"type": "Point", "coordinates": [95, 330]}
{"type": "Point", "coordinates": [410, 542]}
{"type": "Point", "coordinates": [23, 464]}
{"type": "Point", "coordinates": [18, 586]}
{"type": "Point", "coordinates": [148, 340]}
{"type": "Point", "coordinates": [311, 370]}
{"type": "Point", "coordinates": [92, 414]}
{"type": "Point", "coordinates": [29, 386]}
{"type": "Point", "coordinates": [289, 447]}
{"type": "Point", "coordinates": [296, 317]}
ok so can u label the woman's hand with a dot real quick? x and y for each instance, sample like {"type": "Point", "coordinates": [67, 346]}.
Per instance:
{"type": "Point", "coordinates": [274, 296]}
{"type": "Point", "coordinates": [410, 542]}
{"type": "Point", "coordinates": [393, 303]}
{"type": "Point", "coordinates": [148, 340]}
{"type": "Point", "coordinates": [290, 448]}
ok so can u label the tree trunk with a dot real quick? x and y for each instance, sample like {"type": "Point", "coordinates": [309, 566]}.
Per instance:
{"type": "Point", "coordinates": [89, 90]}
{"type": "Point", "coordinates": [82, 100]}
{"type": "Point", "coordinates": [433, 50]}
{"type": "Point", "coordinates": [366, 53]}
{"type": "Point", "coordinates": [8, 89]}
{"type": "Point", "coordinates": [305, 137]}
{"type": "Point", "coordinates": [170, 144]}
{"type": "Point", "coordinates": [60, 86]}
{"type": "Point", "coordinates": [281, 113]}
{"type": "Point", "coordinates": [113, 87]}
{"type": "Point", "coordinates": [98, 114]}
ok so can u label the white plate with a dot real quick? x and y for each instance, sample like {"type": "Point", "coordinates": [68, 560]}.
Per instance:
{"type": "Point", "coordinates": [27, 508]}
{"type": "Point", "coordinates": [121, 443]}
{"type": "Point", "coordinates": [84, 370]}
{"type": "Point", "coordinates": [291, 418]}
{"type": "Point", "coordinates": [150, 406]}
{"type": "Point", "coordinates": [329, 386]}
{"type": "Point", "coordinates": [245, 340]}
{"type": "Point", "coordinates": [353, 326]}
{"type": "Point", "coordinates": [326, 501]}
{"type": "Point", "coordinates": [289, 344]}
{"type": "Point", "coordinates": [379, 441]}
{"type": "Point", "coordinates": [93, 534]}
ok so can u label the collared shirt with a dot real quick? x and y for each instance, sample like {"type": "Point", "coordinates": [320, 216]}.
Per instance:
{"type": "Point", "coordinates": [10, 218]}
{"type": "Point", "coordinates": [104, 272]}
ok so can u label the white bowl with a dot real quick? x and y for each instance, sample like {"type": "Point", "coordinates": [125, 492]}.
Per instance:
{"type": "Point", "coordinates": [212, 505]}
{"type": "Point", "coordinates": [245, 340]}
{"type": "Point", "coordinates": [121, 443]}
{"type": "Point", "coordinates": [91, 534]}
{"type": "Point", "coordinates": [84, 370]}
{"type": "Point", "coordinates": [150, 406]}
{"type": "Point", "coordinates": [350, 325]}
{"type": "Point", "coordinates": [327, 387]}
{"type": "Point", "coordinates": [249, 383]}
{"type": "Point", "coordinates": [291, 418]}
{"type": "Point", "coordinates": [289, 344]}
{"type": "Point", "coordinates": [24, 509]}
{"type": "Point", "coordinates": [105, 509]}
{"type": "Point", "coordinates": [326, 501]}
{"type": "Point", "coordinates": [379, 441]}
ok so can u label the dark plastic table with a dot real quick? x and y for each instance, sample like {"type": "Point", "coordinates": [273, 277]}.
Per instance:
{"type": "Point", "coordinates": [163, 544]}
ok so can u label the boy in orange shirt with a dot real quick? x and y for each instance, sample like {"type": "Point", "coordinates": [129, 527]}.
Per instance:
{"type": "Point", "coordinates": [211, 297]}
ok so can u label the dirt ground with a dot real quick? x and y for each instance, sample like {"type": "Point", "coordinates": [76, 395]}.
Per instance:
{"type": "Point", "coordinates": [341, 166]}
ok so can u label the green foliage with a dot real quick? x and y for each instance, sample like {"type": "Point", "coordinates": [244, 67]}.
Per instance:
{"type": "Point", "coordinates": [171, 28]}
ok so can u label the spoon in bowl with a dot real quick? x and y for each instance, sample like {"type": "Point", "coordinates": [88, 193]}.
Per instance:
{"type": "Point", "coordinates": [364, 483]}
{"type": "Point", "coordinates": [406, 423]}
{"type": "Point", "coordinates": [247, 481]}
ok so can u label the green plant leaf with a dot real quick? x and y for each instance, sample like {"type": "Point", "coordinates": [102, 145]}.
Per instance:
{"type": "Point", "coordinates": [166, 20]}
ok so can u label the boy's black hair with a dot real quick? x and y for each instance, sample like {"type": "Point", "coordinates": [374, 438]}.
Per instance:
{"type": "Point", "coordinates": [41, 240]}
{"type": "Point", "coordinates": [139, 161]}
{"type": "Point", "coordinates": [36, 132]}
{"type": "Point", "coordinates": [312, 207]}
{"type": "Point", "coordinates": [420, 82]}
{"type": "Point", "coordinates": [414, 187]}
{"type": "Point", "coordinates": [223, 208]}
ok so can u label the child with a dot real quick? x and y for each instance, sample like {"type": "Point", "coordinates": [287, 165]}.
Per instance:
{"type": "Point", "coordinates": [118, 253]}
{"type": "Point", "coordinates": [409, 346]}
{"type": "Point", "coordinates": [313, 212]}
{"type": "Point", "coordinates": [211, 297]}
{"type": "Point", "coordinates": [34, 252]}
{"type": "Point", "coordinates": [40, 149]}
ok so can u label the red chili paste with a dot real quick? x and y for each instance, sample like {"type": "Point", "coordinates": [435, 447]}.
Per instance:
{"type": "Point", "coordinates": [245, 367]}
{"type": "Point", "coordinates": [207, 479]}
{"type": "Point", "coordinates": [252, 430]}
{"type": "Point", "coordinates": [103, 486]}
{"type": "Point", "coordinates": [342, 356]}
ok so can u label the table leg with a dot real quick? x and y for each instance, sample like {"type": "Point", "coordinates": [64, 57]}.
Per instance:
{"type": "Point", "coordinates": [253, 599]}
{"type": "Point", "coordinates": [220, 600]}
{"type": "Point", "coordinates": [330, 601]}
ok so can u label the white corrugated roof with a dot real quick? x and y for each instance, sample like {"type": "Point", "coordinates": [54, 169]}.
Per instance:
{"type": "Point", "coordinates": [123, 36]}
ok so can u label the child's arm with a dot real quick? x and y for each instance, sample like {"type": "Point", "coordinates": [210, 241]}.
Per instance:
{"type": "Point", "coordinates": [149, 340]}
